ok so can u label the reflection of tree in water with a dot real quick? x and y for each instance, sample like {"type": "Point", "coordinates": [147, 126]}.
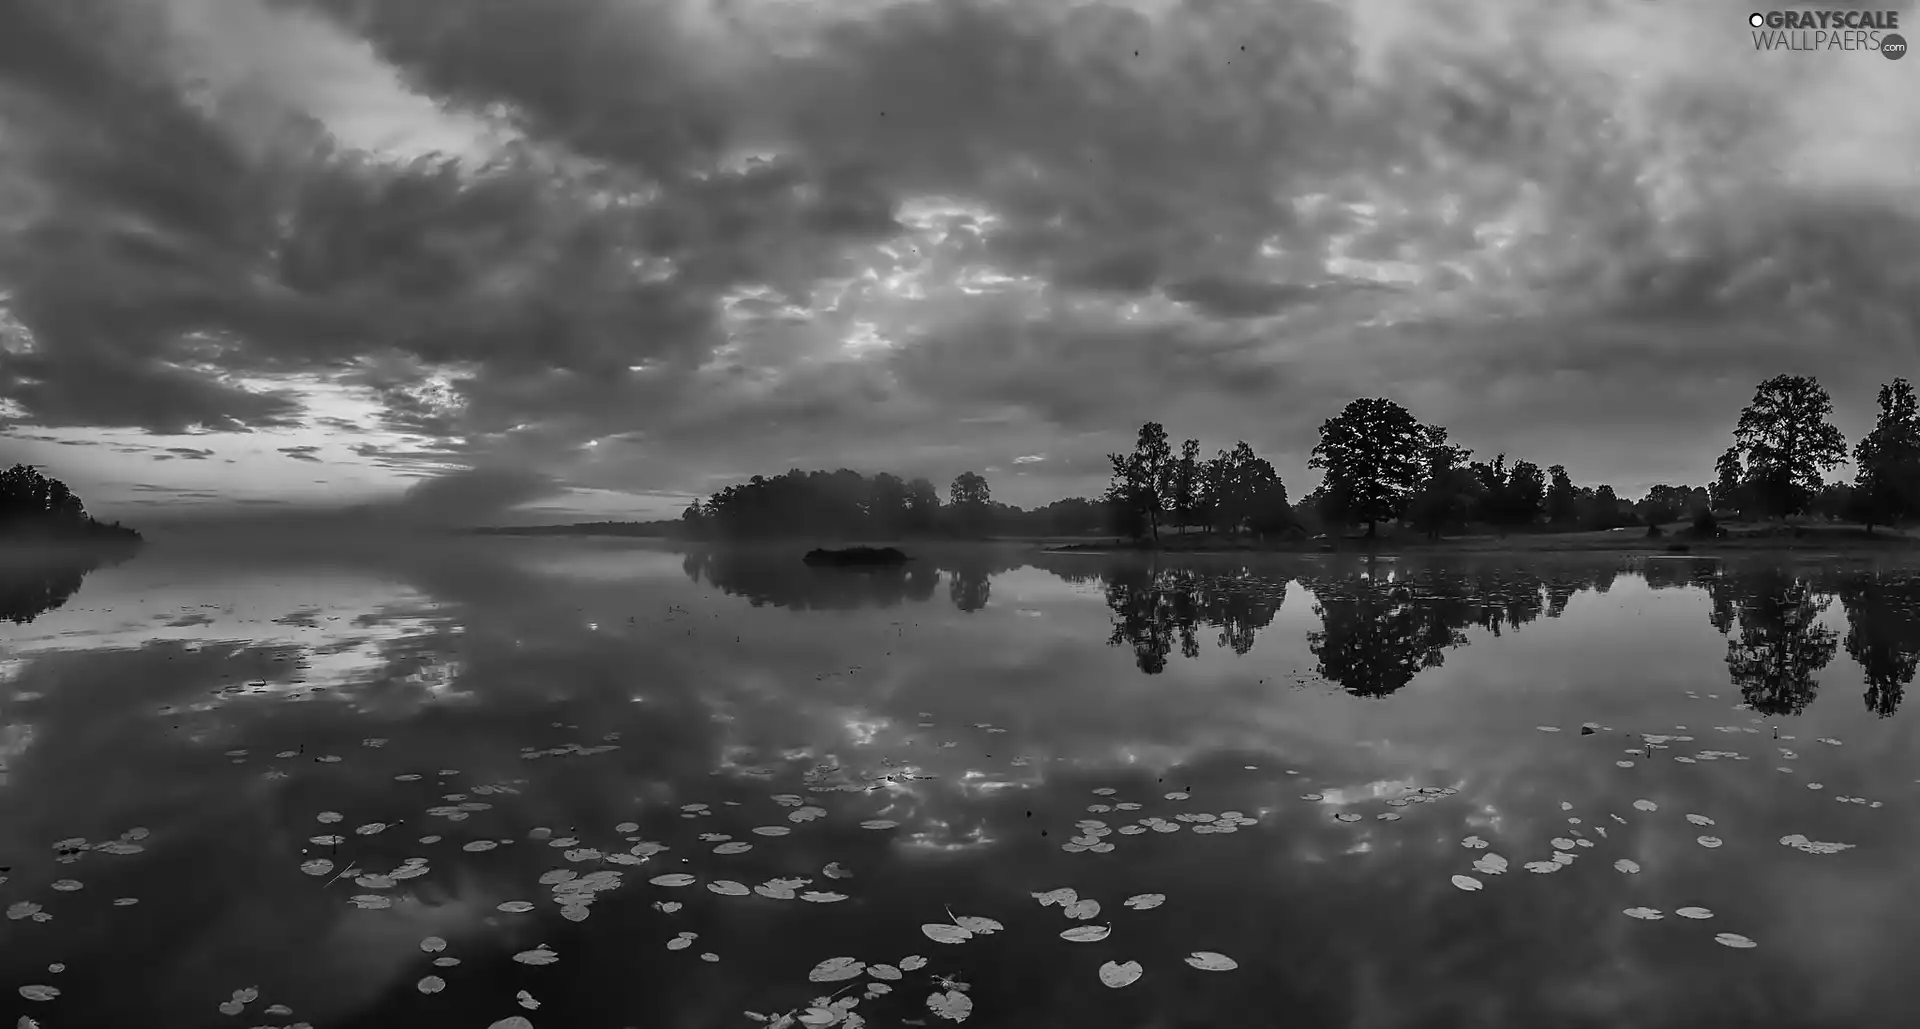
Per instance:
{"type": "Point", "coordinates": [780, 579]}
{"type": "Point", "coordinates": [1154, 607]}
{"type": "Point", "coordinates": [1780, 643]}
{"type": "Point", "coordinates": [29, 589]}
{"type": "Point", "coordinates": [1883, 635]}
{"type": "Point", "coordinates": [1375, 635]}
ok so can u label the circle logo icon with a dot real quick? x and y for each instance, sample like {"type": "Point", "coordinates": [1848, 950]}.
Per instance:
{"type": "Point", "coordinates": [1757, 20]}
{"type": "Point", "coordinates": [1893, 46]}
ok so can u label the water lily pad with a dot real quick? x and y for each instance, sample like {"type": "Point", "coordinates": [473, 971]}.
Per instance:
{"type": "Point", "coordinates": [1734, 940]}
{"type": "Point", "coordinates": [952, 1005]}
{"type": "Point", "coordinates": [1708, 841]}
{"type": "Point", "coordinates": [1645, 914]}
{"type": "Point", "coordinates": [1120, 973]}
{"type": "Point", "coordinates": [1211, 961]}
{"type": "Point", "coordinates": [1693, 912]}
{"type": "Point", "coordinates": [1086, 934]}
{"type": "Point", "coordinates": [729, 888]}
{"type": "Point", "coordinates": [430, 984]}
{"type": "Point", "coordinates": [942, 932]}
{"type": "Point", "coordinates": [832, 970]}
{"type": "Point", "coordinates": [672, 879]}
{"type": "Point", "coordinates": [1145, 901]}
{"type": "Point", "coordinates": [1474, 843]}
{"type": "Point", "coordinates": [1645, 805]}
{"type": "Point", "coordinates": [541, 955]}
{"type": "Point", "coordinates": [1490, 864]}
{"type": "Point", "coordinates": [1468, 883]}
{"type": "Point", "coordinates": [1627, 865]}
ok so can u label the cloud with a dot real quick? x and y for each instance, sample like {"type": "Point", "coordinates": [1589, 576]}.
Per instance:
{"type": "Point", "coordinates": [934, 236]}
{"type": "Point", "coordinates": [307, 453]}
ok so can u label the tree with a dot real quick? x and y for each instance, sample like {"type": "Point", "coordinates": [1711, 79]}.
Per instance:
{"type": "Point", "coordinates": [1887, 483]}
{"type": "Point", "coordinates": [886, 506]}
{"type": "Point", "coordinates": [1372, 453]}
{"type": "Point", "coordinates": [971, 501]}
{"type": "Point", "coordinates": [1446, 490]}
{"type": "Point", "coordinates": [1140, 477]}
{"type": "Point", "coordinates": [1729, 491]}
{"type": "Point", "coordinates": [1526, 494]}
{"type": "Point", "coordinates": [1787, 442]}
{"type": "Point", "coordinates": [1563, 499]}
{"type": "Point", "coordinates": [1186, 482]}
{"type": "Point", "coordinates": [923, 505]}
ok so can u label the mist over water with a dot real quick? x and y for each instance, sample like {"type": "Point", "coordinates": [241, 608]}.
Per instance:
{"type": "Point", "coordinates": [435, 782]}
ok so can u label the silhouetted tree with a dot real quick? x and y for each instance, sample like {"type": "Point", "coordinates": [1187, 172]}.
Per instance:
{"type": "Point", "coordinates": [971, 502]}
{"type": "Point", "coordinates": [923, 505]}
{"type": "Point", "coordinates": [886, 506]}
{"type": "Point", "coordinates": [1139, 479]}
{"type": "Point", "coordinates": [1729, 490]}
{"type": "Point", "coordinates": [1887, 483]}
{"type": "Point", "coordinates": [1563, 498]}
{"type": "Point", "coordinates": [1187, 484]}
{"type": "Point", "coordinates": [1373, 454]}
{"type": "Point", "coordinates": [1787, 443]}
{"type": "Point", "coordinates": [1447, 490]}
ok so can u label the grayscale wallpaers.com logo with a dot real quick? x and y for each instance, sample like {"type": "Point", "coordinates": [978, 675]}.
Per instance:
{"type": "Point", "coordinates": [1829, 30]}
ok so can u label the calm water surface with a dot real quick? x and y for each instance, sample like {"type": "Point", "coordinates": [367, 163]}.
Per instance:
{"type": "Point", "coordinates": [603, 785]}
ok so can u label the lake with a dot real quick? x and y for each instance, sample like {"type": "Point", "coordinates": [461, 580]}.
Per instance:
{"type": "Point", "coordinates": [606, 784]}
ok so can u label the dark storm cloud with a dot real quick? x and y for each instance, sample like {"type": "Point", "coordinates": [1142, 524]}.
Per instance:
{"type": "Point", "coordinates": [1228, 212]}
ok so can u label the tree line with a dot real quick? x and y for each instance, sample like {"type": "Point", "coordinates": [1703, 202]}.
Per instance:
{"type": "Point", "coordinates": [37, 506]}
{"type": "Point", "coordinates": [1380, 465]}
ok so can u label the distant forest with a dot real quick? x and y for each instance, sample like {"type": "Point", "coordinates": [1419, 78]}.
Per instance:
{"type": "Point", "coordinates": [36, 507]}
{"type": "Point", "coordinates": [1381, 466]}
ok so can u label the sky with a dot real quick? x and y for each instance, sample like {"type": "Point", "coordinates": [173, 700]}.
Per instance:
{"type": "Point", "coordinates": [506, 261]}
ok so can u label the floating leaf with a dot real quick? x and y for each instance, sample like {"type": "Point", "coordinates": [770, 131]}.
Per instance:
{"type": "Point", "coordinates": [729, 888]}
{"type": "Point", "coordinates": [1145, 901]}
{"type": "Point", "coordinates": [1646, 914]}
{"type": "Point", "coordinates": [1800, 842]}
{"type": "Point", "coordinates": [512, 1022]}
{"type": "Point", "coordinates": [977, 925]}
{"type": "Point", "coordinates": [433, 945]}
{"type": "Point", "coordinates": [430, 984]}
{"type": "Point", "coordinates": [316, 866]}
{"type": "Point", "coordinates": [952, 1005]}
{"type": "Point", "coordinates": [541, 955]}
{"type": "Point", "coordinates": [526, 1000]}
{"type": "Point", "coordinates": [1627, 865]}
{"type": "Point", "coordinates": [1467, 882]}
{"type": "Point", "coordinates": [1474, 843]}
{"type": "Point", "coordinates": [514, 907]}
{"type": "Point", "coordinates": [1490, 864]}
{"type": "Point", "coordinates": [1211, 961]}
{"type": "Point", "coordinates": [1707, 841]}
{"type": "Point", "coordinates": [912, 963]}
{"type": "Point", "coordinates": [1645, 805]}
{"type": "Point", "coordinates": [1693, 912]}
{"type": "Point", "coordinates": [832, 970]}
{"type": "Point", "coordinates": [878, 823]}
{"type": "Point", "coordinates": [884, 972]}
{"type": "Point", "coordinates": [1086, 934]}
{"type": "Point", "coordinates": [1542, 867]}
{"type": "Point", "coordinates": [1700, 820]}
{"type": "Point", "coordinates": [1346, 816]}
{"type": "Point", "coordinates": [1734, 940]}
{"type": "Point", "coordinates": [770, 830]}
{"type": "Point", "coordinates": [1081, 909]}
{"type": "Point", "coordinates": [1117, 973]}
{"type": "Point", "coordinates": [942, 932]}
{"type": "Point", "coordinates": [672, 879]}
{"type": "Point", "coordinates": [38, 992]}
{"type": "Point", "coordinates": [1548, 728]}
{"type": "Point", "coordinates": [822, 897]}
